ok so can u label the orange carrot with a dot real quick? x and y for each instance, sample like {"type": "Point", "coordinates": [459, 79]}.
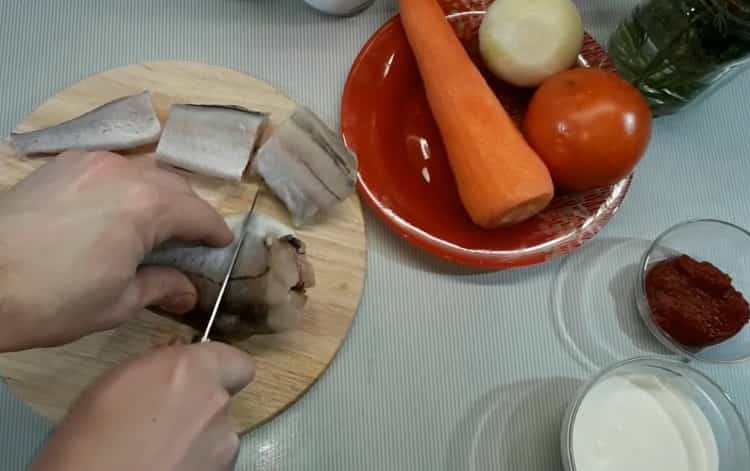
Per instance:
{"type": "Point", "coordinates": [501, 180]}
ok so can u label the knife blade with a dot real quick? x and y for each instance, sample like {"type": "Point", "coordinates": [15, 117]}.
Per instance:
{"type": "Point", "coordinates": [232, 263]}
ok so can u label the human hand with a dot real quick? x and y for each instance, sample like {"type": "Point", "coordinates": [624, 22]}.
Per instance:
{"type": "Point", "coordinates": [72, 236]}
{"type": "Point", "coordinates": [166, 410]}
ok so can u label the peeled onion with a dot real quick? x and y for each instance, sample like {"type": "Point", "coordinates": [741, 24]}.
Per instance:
{"type": "Point", "coordinates": [525, 41]}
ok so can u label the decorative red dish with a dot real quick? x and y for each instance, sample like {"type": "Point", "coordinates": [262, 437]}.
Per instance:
{"type": "Point", "coordinates": [404, 174]}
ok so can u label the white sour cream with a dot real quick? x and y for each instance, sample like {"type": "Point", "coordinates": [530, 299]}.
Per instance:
{"type": "Point", "coordinates": [640, 422]}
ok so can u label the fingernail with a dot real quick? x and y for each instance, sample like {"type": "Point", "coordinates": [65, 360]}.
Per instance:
{"type": "Point", "coordinates": [178, 303]}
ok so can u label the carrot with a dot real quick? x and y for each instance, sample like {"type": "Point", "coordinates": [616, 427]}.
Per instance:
{"type": "Point", "coordinates": [501, 180]}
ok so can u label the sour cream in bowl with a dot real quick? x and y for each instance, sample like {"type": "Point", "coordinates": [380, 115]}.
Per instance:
{"type": "Point", "coordinates": [651, 414]}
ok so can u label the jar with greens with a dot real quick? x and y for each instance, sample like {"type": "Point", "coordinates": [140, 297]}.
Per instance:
{"type": "Point", "coordinates": [677, 52]}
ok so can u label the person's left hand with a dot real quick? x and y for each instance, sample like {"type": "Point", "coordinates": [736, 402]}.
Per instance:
{"type": "Point", "coordinates": [166, 410]}
{"type": "Point", "coordinates": [72, 236]}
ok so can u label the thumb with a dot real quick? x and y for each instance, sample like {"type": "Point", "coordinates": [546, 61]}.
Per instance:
{"type": "Point", "coordinates": [159, 286]}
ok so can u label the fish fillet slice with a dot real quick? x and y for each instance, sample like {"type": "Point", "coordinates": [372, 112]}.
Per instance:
{"type": "Point", "coordinates": [125, 123]}
{"type": "Point", "coordinates": [216, 141]}
{"type": "Point", "coordinates": [266, 292]}
{"type": "Point", "coordinates": [307, 166]}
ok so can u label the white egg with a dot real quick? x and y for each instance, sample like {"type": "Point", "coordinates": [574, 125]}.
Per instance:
{"type": "Point", "coordinates": [525, 41]}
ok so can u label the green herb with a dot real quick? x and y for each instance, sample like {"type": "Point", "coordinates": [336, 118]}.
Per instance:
{"type": "Point", "coordinates": [675, 50]}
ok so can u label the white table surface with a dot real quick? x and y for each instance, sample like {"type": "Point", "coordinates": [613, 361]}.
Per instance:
{"type": "Point", "coordinates": [444, 368]}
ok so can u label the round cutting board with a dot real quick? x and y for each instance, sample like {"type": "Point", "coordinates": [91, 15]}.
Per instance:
{"type": "Point", "coordinates": [287, 364]}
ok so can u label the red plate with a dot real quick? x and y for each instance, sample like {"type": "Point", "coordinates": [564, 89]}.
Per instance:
{"type": "Point", "coordinates": [403, 171]}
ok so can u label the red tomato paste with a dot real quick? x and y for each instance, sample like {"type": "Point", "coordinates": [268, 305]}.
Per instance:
{"type": "Point", "coordinates": [694, 302]}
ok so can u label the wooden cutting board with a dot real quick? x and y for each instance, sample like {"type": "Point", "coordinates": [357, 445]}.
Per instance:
{"type": "Point", "coordinates": [287, 364]}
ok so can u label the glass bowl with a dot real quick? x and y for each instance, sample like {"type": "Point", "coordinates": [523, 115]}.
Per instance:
{"type": "Point", "coordinates": [723, 244]}
{"type": "Point", "coordinates": [701, 397]}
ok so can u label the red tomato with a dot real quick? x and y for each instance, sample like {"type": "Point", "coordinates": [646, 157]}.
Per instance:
{"type": "Point", "coordinates": [589, 126]}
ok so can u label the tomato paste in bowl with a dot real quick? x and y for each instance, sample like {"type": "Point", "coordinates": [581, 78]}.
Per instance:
{"type": "Point", "coordinates": [692, 292]}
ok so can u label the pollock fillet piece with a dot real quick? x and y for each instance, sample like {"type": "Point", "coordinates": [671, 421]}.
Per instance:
{"type": "Point", "coordinates": [266, 292]}
{"type": "Point", "coordinates": [125, 123]}
{"type": "Point", "coordinates": [216, 141]}
{"type": "Point", "coordinates": [307, 166]}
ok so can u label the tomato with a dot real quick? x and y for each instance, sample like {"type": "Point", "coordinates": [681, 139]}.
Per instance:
{"type": "Point", "coordinates": [589, 126]}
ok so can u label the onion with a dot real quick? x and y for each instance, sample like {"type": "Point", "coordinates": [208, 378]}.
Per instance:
{"type": "Point", "coordinates": [525, 41]}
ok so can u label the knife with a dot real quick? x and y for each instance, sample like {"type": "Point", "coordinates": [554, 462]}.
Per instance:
{"type": "Point", "coordinates": [232, 263]}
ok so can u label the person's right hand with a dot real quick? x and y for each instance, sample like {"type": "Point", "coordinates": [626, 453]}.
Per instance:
{"type": "Point", "coordinates": [166, 411]}
{"type": "Point", "coordinates": [72, 237]}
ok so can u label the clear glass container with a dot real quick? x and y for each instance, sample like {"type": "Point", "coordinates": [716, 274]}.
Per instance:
{"type": "Point", "coordinates": [729, 429]}
{"type": "Point", "coordinates": [723, 244]}
{"type": "Point", "coordinates": [677, 52]}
